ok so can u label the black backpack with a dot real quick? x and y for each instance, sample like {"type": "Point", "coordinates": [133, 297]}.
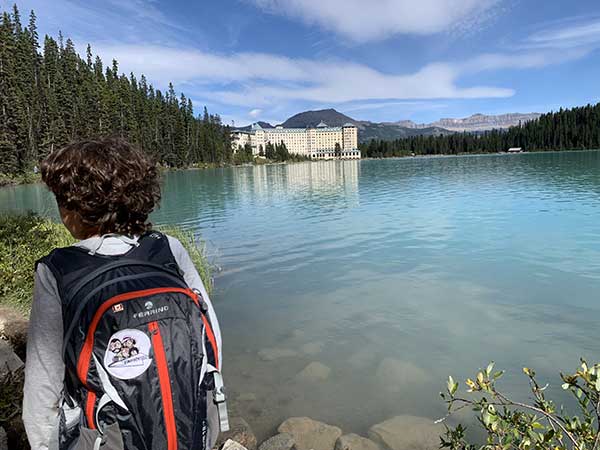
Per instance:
{"type": "Point", "coordinates": [141, 352]}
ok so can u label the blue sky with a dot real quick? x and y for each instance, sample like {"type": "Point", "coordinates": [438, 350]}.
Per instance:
{"type": "Point", "coordinates": [380, 60]}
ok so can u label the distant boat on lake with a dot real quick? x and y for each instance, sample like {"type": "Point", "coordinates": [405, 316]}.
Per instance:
{"type": "Point", "coordinates": [515, 150]}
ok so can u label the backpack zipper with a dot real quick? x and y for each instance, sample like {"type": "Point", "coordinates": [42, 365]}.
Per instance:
{"type": "Point", "coordinates": [164, 380]}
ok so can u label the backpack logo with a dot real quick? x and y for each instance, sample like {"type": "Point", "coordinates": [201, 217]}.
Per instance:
{"type": "Point", "coordinates": [118, 308]}
{"type": "Point", "coordinates": [128, 354]}
{"type": "Point", "coordinates": [148, 305]}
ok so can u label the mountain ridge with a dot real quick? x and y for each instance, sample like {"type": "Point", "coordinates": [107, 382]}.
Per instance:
{"type": "Point", "coordinates": [403, 128]}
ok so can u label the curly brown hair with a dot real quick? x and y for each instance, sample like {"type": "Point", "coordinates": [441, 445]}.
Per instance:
{"type": "Point", "coordinates": [110, 184]}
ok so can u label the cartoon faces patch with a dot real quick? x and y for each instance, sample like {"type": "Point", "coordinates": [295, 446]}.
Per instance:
{"type": "Point", "coordinates": [128, 354]}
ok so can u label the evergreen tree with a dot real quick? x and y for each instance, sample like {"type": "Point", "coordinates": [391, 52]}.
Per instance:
{"type": "Point", "coordinates": [52, 97]}
{"type": "Point", "coordinates": [566, 129]}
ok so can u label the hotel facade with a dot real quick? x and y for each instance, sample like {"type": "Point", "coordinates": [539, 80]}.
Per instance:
{"type": "Point", "coordinates": [320, 142]}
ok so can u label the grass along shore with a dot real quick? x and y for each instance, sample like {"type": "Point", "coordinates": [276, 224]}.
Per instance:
{"type": "Point", "coordinates": [26, 238]}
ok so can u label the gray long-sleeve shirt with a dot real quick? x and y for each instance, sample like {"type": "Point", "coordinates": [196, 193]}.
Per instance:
{"type": "Point", "coordinates": [44, 369]}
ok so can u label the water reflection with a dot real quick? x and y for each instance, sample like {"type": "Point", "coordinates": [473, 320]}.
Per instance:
{"type": "Point", "coordinates": [392, 273]}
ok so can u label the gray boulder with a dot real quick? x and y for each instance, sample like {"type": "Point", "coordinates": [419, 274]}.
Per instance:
{"type": "Point", "coordinates": [310, 434]}
{"type": "Point", "coordinates": [232, 445]}
{"type": "Point", "coordinates": [9, 362]}
{"type": "Point", "coordinates": [407, 433]}
{"type": "Point", "coordinates": [13, 327]}
{"type": "Point", "coordinates": [240, 432]}
{"type": "Point", "coordinates": [355, 442]}
{"type": "Point", "coordinates": [281, 441]}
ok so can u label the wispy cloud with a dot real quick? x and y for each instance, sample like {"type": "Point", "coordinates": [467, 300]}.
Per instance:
{"type": "Point", "coordinates": [570, 34]}
{"type": "Point", "coordinates": [371, 20]}
{"type": "Point", "coordinates": [407, 106]}
{"type": "Point", "coordinates": [259, 79]}
{"type": "Point", "coordinates": [143, 36]}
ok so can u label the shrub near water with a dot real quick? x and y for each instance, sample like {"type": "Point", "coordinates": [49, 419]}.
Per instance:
{"type": "Point", "coordinates": [23, 240]}
{"type": "Point", "coordinates": [534, 424]}
{"type": "Point", "coordinates": [26, 238]}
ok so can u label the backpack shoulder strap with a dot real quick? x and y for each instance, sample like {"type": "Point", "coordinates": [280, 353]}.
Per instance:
{"type": "Point", "coordinates": [66, 264]}
{"type": "Point", "coordinates": [154, 246]}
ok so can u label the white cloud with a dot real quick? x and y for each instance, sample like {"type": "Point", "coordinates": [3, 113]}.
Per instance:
{"type": "Point", "coordinates": [255, 113]}
{"type": "Point", "coordinates": [259, 79]}
{"type": "Point", "coordinates": [521, 60]}
{"type": "Point", "coordinates": [369, 20]}
{"type": "Point", "coordinates": [407, 105]}
{"type": "Point", "coordinates": [573, 33]}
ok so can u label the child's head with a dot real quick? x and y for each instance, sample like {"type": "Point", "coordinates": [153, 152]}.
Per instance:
{"type": "Point", "coordinates": [103, 186]}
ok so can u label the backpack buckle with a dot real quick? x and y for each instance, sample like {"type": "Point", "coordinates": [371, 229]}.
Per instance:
{"type": "Point", "coordinates": [220, 399]}
{"type": "Point", "coordinates": [219, 395]}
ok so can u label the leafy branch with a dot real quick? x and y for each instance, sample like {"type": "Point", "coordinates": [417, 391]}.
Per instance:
{"type": "Point", "coordinates": [511, 424]}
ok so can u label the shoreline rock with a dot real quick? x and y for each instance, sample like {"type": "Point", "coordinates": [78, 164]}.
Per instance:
{"type": "Point", "coordinates": [281, 441]}
{"type": "Point", "coordinates": [240, 432]}
{"type": "Point", "coordinates": [13, 328]}
{"type": "Point", "coordinates": [355, 442]}
{"type": "Point", "coordinates": [232, 445]}
{"type": "Point", "coordinates": [310, 434]}
{"type": "Point", "coordinates": [9, 361]}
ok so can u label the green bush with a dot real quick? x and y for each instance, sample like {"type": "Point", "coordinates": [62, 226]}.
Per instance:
{"type": "Point", "coordinates": [196, 249]}
{"type": "Point", "coordinates": [26, 238]}
{"type": "Point", "coordinates": [538, 425]}
{"type": "Point", "coordinates": [23, 240]}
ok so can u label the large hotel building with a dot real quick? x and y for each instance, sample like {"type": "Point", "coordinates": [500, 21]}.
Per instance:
{"type": "Point", "coordinates": [316, 143]}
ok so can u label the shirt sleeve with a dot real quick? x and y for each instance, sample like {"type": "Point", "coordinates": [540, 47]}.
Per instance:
{"type": "Point", "coordinates": [193, 280]}
{"type": "Point", "coordinates": [44, 368]}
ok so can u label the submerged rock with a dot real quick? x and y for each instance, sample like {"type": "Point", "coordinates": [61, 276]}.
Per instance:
{"type": "Point", "coordinates": [310, 434]}
{"type": "Point", "coordinates": [315, 371]}
{"type": "Point", "coordinates": [271, 354]}
{"type": "Point", "coordinates": [297, 334]}
{"type": "Point", "coordinates": [394, 375]}
{"type": "Point", "coordinates": [240, 432]}
{"type": "Point", "coordinates": [355, 442]}
{"type": "Point", "coordinates": [281, 441]}
{"type": "Point", "coordinates": [362, 359]}
{"type": "Point", "coordinates": [247, 397]}
{"type": "Point", "coordinates": [312, 348]}
{"type": "Point", "coordinates": [407, 433]}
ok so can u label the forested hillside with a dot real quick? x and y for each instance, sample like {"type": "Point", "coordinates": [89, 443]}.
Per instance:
{"type": "Point", "coordinates": [566, 129]}
{"type": "Point", "coordinates": [49, 96]}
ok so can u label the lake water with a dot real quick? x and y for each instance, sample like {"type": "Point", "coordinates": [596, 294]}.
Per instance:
{"type": "Point", "coordinates": [393, 273]}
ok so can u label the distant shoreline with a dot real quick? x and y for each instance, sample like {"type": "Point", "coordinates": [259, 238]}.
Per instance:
{"type": "Point", "coordinates": [31, 178]}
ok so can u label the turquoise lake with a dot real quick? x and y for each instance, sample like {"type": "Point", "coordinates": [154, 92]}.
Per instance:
{"type": "Point", "coordinates": [392, 273]}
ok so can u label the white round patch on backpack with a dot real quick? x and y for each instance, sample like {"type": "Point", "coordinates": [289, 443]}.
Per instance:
{"type": "Point", "coordinates": [128, 354]}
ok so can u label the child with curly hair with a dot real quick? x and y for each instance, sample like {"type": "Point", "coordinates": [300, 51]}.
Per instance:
{"type": "Point", "coordinates": [105, 191]}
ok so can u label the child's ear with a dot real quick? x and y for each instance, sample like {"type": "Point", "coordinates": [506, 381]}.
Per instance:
{"type": "Point", "coordinates": [72, 222]}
